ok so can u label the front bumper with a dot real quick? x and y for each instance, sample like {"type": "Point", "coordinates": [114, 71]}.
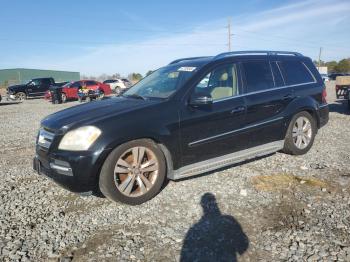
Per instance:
{"type": "Point", "coordinates": [11, 96]}
{"type": "Point", "coordinates": [75, 171]}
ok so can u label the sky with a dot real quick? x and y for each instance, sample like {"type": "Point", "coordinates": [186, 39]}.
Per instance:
{"type": "Point", "coordinates": [95, 37]}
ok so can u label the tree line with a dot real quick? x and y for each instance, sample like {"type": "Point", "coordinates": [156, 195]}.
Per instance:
{"type": "Point", "coordinates": [133, 77]}
{"type": "Point", "coordinates": [342, 66]}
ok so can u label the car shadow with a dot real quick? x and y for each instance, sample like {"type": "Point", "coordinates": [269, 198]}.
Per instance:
{"type": "Point", "coordinates": [215, 237]}
{"type": "Point", "coordinates": [339, 106]}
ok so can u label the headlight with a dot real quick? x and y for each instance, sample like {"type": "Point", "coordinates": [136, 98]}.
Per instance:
{"type": "Point", "coordinates": [80, 139]}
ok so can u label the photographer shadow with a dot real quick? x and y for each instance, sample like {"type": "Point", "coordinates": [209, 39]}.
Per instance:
{"type": "Point", "coordinates": [215, 237]}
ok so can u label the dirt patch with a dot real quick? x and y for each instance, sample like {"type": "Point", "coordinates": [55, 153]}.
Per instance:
{"type": "Point", "coordinates": [280, 182]}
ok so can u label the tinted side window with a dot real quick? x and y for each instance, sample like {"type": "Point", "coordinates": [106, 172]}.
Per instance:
{"type": "Point", "coordinates": [91, 83]}
{"type": "Point", "coordinates": [258, 75]}
{"type": "Point", "coordinates": [76, 84]}
{"type": "Point", "coordinates": [295, 72]}
{"type": "Point", "coordinates": [277, 75]}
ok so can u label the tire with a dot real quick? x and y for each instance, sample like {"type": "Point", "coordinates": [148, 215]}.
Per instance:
{"type": "Point", "coordinates": [102, 95]}
{"type": "Point", "coordinates": [296, 144]}
{"type": "Point", "coordinates": [112, 183]}
{"type": "Point", "coordinates": [64, 98]}
{"type": "Point", "coordinates": [118, 90]}
{"type": "Point", "coordinates": [20, 96]}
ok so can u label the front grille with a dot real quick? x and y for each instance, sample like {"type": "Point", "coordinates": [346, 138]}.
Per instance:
{"type": "Point", "coordinates": [45, 138]}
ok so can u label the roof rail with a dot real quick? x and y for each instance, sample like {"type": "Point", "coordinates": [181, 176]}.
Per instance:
{"type": "Point", "coordinates": [259, 52]}
{"type": "Point", "coordinates": [187, 58]}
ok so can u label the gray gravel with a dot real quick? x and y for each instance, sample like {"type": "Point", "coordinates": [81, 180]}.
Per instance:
{"type": "Point", "coordinates": [275, 208]}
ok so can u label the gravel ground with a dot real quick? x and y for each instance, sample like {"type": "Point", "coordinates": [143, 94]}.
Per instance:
{"type": "Point", "coordinates": [276, 208]}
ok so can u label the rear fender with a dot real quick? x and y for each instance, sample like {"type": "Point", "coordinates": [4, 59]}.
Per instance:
{"type": "Point", "coordinates": [302, 104]}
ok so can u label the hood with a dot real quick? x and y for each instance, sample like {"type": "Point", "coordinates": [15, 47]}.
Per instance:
{"type": "Point", "coordinates": [91, 112]}
{"type": "Point", "coordinates": [16, 87]}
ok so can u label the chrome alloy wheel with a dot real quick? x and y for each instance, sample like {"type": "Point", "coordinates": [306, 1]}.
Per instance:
{"type": "Point", "coordinates": [302, 132]}
{"type": "Point", "coordinates": [136, 171]}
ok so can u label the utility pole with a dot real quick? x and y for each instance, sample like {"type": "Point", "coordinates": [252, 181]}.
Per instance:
{"type": "Point", "coordinates": [319, 59]}
{"type": "Point", "coordinates": [229, 34]}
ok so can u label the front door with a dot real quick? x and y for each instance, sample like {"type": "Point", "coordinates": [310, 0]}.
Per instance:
{"type": "Point", "coordinates": [213, 130]}
{"type": "Point", "coordinates": [34, 88]}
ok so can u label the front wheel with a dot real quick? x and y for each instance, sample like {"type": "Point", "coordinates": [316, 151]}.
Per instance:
{"type": "Point", "coordinates": [300, 134]}
{"type": "Point", "coordinates": [20, 96]}
{"type": "Point", "coordinates": [133, 173]}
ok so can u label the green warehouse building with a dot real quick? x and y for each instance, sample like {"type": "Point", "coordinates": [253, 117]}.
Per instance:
{"type": "Point", "coordinates": [23, 75]}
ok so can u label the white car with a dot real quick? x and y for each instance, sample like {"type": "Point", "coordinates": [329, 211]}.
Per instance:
{"type": "Point", "coordinates": [117, 85]}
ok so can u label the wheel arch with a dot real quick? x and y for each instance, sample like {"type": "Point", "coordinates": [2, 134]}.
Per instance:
{"type": "Point", "coordinates": [166, 152]}
{"type": "Point", "coordinates": [306, 104]}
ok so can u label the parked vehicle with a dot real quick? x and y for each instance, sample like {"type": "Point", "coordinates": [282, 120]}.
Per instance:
{"type": "Point", "coordinates": [117, 85]}
{"type": "Point", "coordinates": [342, 88]}
{"type": "Point", "coordinates": [88, 95]}
{"type": "Point", "coordinates": [192, 116]}
{"type": "Point", "coordinates": [34, 88]}
{"type": "Point", "coordinates": [70, 90]}
{"type": "Point", "coordinates": [325, 77]}
{"type": "Point", "coordinates": [333, 76]}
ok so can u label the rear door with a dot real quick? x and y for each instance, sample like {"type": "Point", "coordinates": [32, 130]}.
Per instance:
{"type": "Point", "coordinates": [266, 97]}
{"type": "Point", "coordinates": [212, 130]}
{"type": "Point", "coordinates": [44, 85]}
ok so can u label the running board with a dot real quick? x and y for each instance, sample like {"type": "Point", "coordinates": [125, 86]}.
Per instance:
{"type": "Point", "coordinates": [226, 160]}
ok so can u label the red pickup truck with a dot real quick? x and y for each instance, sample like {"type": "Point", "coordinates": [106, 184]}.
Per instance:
{"type": "Point", "coordinates": [70, 90]}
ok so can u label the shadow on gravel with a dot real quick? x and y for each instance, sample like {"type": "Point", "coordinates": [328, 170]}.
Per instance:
{"type": "Point", "coordinates": [215, 237]}
{"type": "Point", "coordinates": [339, 106]}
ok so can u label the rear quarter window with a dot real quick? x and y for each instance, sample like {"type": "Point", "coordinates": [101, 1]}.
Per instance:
{"type": "Point", "coordinates": [295, 72]}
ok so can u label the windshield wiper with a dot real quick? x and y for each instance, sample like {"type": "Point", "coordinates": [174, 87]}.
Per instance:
{"type": "Point", "coordinates": [135, 96]}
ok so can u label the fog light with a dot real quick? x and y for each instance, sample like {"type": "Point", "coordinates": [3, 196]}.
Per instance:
{"type": "Point", "coordinates": [61, 167]}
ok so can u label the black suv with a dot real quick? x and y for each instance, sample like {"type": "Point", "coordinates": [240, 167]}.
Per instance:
{"type": "Point", "coordinates": [34, 88]}
{"type": "Point", "coordinates": [192, 116]}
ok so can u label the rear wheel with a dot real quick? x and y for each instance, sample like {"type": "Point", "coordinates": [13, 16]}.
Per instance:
{"type": "Point", "coordinates": [102, 95]}
{"type": "Point", "coordinates": [20, 96]}
{"type": "Point", "coordinates": [118, 90]}
{"type": "Point", "coordinates": [133, 173]}
{"type": "Point", "coordinates": [64, 98]}
{"type": "Point", "coordinates": [300, 134]}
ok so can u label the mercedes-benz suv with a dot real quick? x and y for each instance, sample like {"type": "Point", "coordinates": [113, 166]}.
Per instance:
{"type": "Point", "coordinates": [189, 117]}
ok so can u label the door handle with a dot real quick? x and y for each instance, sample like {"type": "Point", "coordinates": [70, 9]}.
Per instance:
{"type": "Point", "coordinates": [238, 110]}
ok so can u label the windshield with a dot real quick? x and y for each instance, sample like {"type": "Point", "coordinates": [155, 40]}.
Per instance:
{"type": "Point", "coordinates": [161, 83]}
{"type": "Point", "coordinates": [67, 85]}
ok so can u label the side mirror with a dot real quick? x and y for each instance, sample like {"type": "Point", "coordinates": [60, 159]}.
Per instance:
{"type": "Point", "coordinates": [200, 100]}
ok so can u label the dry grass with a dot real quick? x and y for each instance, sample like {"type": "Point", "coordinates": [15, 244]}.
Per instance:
{"type": "Point", "coordinates": [286, 181]}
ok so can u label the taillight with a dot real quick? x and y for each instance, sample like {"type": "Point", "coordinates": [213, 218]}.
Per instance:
{"type": "Point", "coordinates": [324, 96]}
